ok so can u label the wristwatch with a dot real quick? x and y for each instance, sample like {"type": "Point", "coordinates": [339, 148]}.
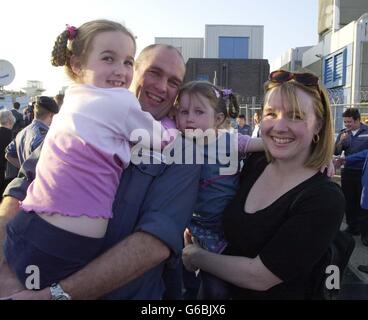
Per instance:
{"type": "Point", "coordinates": [57, 293]}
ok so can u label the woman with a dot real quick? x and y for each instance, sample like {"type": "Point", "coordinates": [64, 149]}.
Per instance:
{"type": "Point", "coordinates": [7, 121]}
{"type": "Point", "coordinates": [286, 213]}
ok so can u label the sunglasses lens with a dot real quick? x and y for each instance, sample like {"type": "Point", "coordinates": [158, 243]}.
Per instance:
{"type": "Point", "coordinates": [307, 79]}
{"type": "Point", "coordinates": [281, 76]}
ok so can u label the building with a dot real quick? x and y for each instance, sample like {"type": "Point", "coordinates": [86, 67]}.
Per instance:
{"type": "Point", "coordinates": [244, 76]}
{"type": "Point", "coordinates": [189, 47]}
{"type": "Point", "coordinates": [234, 42]}
{"type": "Point", "coordinates": [230, 56]}
{"type": "Point", "coordinates": [221, 42]}
{"type": "Point", "coordinates": [340, 58]}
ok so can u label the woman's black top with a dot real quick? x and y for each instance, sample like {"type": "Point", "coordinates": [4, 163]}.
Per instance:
{"type": "Point", "coordinates": [291, 236]}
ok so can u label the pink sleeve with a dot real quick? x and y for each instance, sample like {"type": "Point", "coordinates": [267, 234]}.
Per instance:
{"type": "Point", "coordinates": [243, 141]}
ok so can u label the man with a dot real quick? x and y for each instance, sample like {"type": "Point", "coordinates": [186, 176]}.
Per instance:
{"type": "Point", "coordinates": [256, 120]}
{"type": "Point", "coordinates": [31, 136]}
{"type": "Point", "coordinates": [242, 127]}
{"type": "Point", "coordinates": [7, 121]}
{"type": "Point", "coordinates": [19, 123]}
{"type": "Point", "coordinates": [352, 139]}
{"type": "Point", "coordinates": [149, 214]}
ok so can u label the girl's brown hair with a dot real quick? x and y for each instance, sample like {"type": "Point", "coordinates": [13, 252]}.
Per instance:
{"type": "Point", "coordinates": [66, 45]}
{"type": "Point", "coordinates": [222, 101]}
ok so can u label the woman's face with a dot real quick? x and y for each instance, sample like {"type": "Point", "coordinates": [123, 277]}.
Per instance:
{"type": "Point", "coordinates": [288, 135]}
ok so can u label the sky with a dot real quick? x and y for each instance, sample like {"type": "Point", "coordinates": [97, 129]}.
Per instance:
{"type": "Point", "coordinates": [29, 27]}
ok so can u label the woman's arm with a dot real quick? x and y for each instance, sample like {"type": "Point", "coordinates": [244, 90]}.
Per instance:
{"type": "Point", "coordinates": [241, 271]}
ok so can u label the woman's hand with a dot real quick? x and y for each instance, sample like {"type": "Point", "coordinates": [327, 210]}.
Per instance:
{"type": "Point", "coordinates": [330, 169]}
{"type": "Point", "coordinates": [191, 247]}
{"type": "Point", "coordinates": [188, 252]}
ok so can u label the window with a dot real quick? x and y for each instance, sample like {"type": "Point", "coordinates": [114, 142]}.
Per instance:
{"type": "Point", "coordinates": [334, 71]}
{"type": "Point", "coordinates": [233, 47]}
{"type": "Point", "coordinates": [203, 77]}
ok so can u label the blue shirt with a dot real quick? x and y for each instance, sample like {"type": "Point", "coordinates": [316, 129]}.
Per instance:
{"type": "Point", "coordinates": [361, 159]}
{"type": "Point", "coordinates": [27, 140]}
{"type": "Point", "coordinates": [246, 130]}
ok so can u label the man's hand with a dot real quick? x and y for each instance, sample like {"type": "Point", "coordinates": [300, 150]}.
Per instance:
{"type": "Point", "coordinates": [343, 137]}
{"type": "Point", "coordinates": [31, 295]}
{"type": "Point", "coordinates": [8, 209]}
{"type": "Point", "coordinates": [9, 283]}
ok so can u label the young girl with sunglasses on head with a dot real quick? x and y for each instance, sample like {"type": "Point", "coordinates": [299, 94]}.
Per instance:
{"type": "Point", "coordinates": [286, 213]}
{"type": "Point", "coordinates": [68, 205]}
{"type": "Point", "coordinates": [203, 106]}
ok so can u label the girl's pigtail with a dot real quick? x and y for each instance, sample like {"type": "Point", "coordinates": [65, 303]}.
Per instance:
{"type": "Point", "coordinates": [232, 106]}
{"type": "Point", "coordinates": [61, 54]}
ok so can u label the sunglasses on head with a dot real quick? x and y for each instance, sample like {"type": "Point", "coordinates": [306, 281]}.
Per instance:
{"type": "Point", "coordinates": [304, 78]}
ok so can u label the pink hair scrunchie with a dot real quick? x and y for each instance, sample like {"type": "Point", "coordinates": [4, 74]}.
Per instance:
{"type": "Point", "coordinates": [72, 32]}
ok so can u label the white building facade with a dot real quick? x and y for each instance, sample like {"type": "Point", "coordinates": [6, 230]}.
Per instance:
{"type": "Point", "coordinates": [221, 42]}
{"type": "Point", "coordinates": [234, 42]}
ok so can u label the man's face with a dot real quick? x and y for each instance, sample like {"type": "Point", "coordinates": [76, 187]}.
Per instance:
{"type": "Point", "coordinates": [241, 122]}
{"type": "Point", "coordinates": [157, 80]}
{"type": "Point", "coordinates": [351, 124]}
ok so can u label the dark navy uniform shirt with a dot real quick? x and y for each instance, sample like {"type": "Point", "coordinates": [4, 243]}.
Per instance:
{"type": "Point", "coordinates": [353, 144]}
{"type": "Point", "coordinates": [27, 140]}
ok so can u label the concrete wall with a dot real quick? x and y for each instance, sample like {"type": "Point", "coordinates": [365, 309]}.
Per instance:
{"type": "Point", "coordinates": [189, 47]}
{"type": "Point", "coordinates": [255, 34]}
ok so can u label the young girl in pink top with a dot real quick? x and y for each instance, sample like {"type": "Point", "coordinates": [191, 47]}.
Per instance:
{"type": "Point", "coordinates": [83, 156]}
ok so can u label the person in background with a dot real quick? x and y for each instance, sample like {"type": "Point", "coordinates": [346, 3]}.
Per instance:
{"type": "Point", "coordinates": [32, 136]}
{"type": "Point", "coordinates": [351, 140]}
{"type": "Point", "coordinates": [256, 120]}
{"type": "Point", "coordinates": [286, 213]}
{"type": "Point", "coordinates": [243, 128]}
{"type": "Point", "coordinates": [19, 122]}
{"type": "Point", "coordinates": [7, 121]}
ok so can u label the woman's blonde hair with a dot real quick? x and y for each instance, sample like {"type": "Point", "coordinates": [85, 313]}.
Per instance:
{"type": "Point", "coordinates": [78, 44]}
{"type": "Point", "coordinates": [322, 145]}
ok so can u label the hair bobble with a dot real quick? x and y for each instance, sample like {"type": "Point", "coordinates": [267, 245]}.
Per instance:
{"type": "Point", "coordinates": [72, 32]}
{"type": "Point", "coordinates": [226, 92]}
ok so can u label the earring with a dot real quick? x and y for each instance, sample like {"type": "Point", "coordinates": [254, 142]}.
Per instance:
{"type": "Point", "coordinates": [316, 138]}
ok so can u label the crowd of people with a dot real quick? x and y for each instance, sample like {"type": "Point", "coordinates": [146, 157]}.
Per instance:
{"type": "Point", "coordinates": [98, 225]}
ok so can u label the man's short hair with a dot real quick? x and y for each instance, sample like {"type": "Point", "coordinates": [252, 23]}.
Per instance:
{"type": "Point", "coordinates": [16, 105]}
{"type": "Point", "coordinates": [241, 116]}
{"type": "Point", "coordinates": [351, 113]}
{"type": "Point", "coordinates": [151, 47]}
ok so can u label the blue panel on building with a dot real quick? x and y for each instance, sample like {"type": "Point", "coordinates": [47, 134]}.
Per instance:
{"type": "Point", "coordinates": [233, 47]}
{"type": "Point", "coordinates": [334, 71]}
